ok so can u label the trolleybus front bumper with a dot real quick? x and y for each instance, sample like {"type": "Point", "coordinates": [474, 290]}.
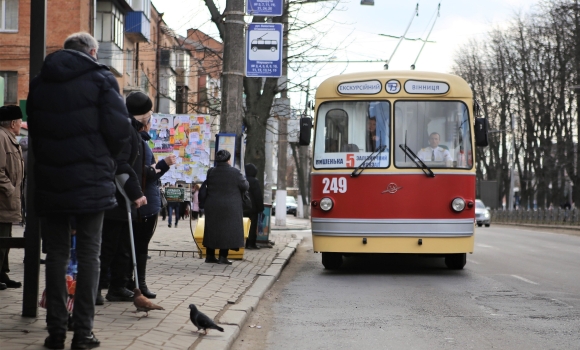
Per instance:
{"type": "Point", "coordinates": [421, 236]}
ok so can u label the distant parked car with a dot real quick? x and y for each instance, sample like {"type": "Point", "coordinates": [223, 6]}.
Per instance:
{"type": "Point", "coordinates": [482, 214]}
{"type": "Point", "coordinates": [291, 206]}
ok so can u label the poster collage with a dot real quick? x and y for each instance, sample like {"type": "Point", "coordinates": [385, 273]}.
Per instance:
{"type": "Point", "coordinates": [186, 136]}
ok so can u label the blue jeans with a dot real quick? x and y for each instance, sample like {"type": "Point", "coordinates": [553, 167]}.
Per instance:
{"type": "Point", "coordinates": [56, 231]}
{"type": "Point", "coordinates": [173, 207]}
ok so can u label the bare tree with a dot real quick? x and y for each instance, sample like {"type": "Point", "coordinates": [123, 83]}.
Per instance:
{"type": "Point", "coordinates": [526, 70]}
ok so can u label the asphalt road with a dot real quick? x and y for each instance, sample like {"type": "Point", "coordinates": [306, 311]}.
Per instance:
{"type": "Point", "coordinates": [519, 290]}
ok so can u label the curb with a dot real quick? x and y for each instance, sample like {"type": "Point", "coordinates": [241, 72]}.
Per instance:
{"type": "Point", "coordinates": [235, 316]}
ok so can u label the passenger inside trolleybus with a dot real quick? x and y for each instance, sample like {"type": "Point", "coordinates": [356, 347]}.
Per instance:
{"type": "Point", "coordinates": [437, 131]}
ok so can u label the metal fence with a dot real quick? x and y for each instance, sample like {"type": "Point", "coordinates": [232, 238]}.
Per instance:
{"type": "Point", "coordinates": [563, 217]}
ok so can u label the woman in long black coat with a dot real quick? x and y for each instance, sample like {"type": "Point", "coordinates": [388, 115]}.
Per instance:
{"type": "Point", "coordinates": [224, 225]}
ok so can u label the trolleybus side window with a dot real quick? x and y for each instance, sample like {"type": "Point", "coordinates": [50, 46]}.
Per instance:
{"type": "Point", "coordinates": [348, 132]}
{"type": "Point", "coordinates": [438, 132]}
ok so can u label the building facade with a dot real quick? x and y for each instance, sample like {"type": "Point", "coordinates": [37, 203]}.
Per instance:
{"type": "Point", "coordinates": [142, 52]}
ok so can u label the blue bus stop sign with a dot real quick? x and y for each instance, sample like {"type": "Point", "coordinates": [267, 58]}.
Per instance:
{"type": "Point", "coordinates": [264, 50]}
{"type": "Point", "coordinates": [267, 8]}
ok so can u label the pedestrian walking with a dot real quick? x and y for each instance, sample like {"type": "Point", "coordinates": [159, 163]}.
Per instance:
{"type": "Point", "coordinates": [11, 178]}
{"type": "Point", "coordinates": [77, 123]}
{"type": "Point", "coordinates": [173, 207]}
{"type": "Point", "coordinates": [145, 221]}
{"type": "Point", "coordinates": [195, 202]}
{"type": "Point", "coordinates": [224, 225]}
{"type": "Point", "coordinates": [257, 196]}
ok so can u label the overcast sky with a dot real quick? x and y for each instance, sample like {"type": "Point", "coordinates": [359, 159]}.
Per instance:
{"type": "Point", "coordinates": [356, 29]}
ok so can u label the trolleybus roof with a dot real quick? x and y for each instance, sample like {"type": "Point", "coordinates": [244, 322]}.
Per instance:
{"type": "Point", "coordinates": [329, 89]}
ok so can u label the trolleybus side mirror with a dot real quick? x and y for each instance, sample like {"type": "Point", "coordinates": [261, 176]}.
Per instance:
{"type": "Point", "coordinates": [481, 126]}
{"type": "Point", "coordinates": [480, 129]}
{"type": "Point", "coordinates": [305, 131]}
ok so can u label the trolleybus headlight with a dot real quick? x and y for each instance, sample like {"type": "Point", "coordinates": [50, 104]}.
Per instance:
{"type": "Point", "coordinates": [458, 204]}
{"type": "Point", "coordinates": [326, 204]}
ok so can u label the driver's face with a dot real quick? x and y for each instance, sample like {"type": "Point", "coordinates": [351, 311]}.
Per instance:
{"type": "Point", "coordinates": [372, 125]}
{"type": "Point", "coordinates": [434, 140]}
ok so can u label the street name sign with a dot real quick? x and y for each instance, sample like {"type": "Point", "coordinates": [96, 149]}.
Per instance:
{"type": "Point", "coordinates": [267, 8]}
{"type": "Point", "coordinates": [264, 50]}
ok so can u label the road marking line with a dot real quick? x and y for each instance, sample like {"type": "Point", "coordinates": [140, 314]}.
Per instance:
{"type": "Point", "coordinates": [473, 262]}
{"type": "Point", "coordinates": [524, 279]}
{"type": "Point", "coordinates": [483, 245]}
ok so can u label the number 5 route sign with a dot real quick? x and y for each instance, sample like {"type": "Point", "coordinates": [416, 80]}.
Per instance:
{"type": "Point", "coordinates": [264, 50]}
{"type": "Point", "coordinates": [268, 8]}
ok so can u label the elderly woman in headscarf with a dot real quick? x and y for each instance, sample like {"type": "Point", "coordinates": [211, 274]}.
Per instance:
{"type": "Point", "coordinates": [224, 226]}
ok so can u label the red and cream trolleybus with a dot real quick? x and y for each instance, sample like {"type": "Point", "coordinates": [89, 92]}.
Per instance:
{"type": "Point", "coordinates": [392, 168]}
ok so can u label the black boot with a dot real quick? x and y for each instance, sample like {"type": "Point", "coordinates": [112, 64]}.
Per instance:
{"type": "Point", "coordinates": [210, 256]}
{"type": "Point", "coordinates": [141, 272]}
{"type": "Point", "coordinates": [224, 257]}
{"type": "Point", "coordinates": [119, 294]}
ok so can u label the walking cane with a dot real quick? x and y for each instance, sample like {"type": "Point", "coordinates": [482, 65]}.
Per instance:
{"type": "Point", "coordinates": [120, 181]}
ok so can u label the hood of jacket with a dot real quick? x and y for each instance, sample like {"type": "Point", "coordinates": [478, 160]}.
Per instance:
{"type": "Point", "coordinates": [251, 170]}
{"type": "Point", "coordinates": [64, 65]}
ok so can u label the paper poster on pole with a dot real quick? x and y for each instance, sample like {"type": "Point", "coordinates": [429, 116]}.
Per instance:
{"type": "Point", "coordinates": [182, 135]}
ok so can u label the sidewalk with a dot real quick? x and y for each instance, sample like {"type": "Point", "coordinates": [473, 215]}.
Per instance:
{"type": "Point", "coordinates": [225, 293]}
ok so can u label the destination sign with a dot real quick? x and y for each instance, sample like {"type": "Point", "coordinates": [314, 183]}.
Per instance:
{"type": "Point", "coordinates": [370, 87]}
{"type": "Point", "coordinates": [426, 87]}
{"type": "Point", "coordinates": [350, 160]}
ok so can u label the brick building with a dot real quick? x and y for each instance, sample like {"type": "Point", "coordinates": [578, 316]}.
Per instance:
{"type": "Point", "coordinates": [143, 53]}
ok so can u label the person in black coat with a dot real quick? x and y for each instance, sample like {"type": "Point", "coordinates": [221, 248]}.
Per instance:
{"type": "Point", "coordinates": [77, 124]}
{"type": "Point", "coordinates": [116, 243]}
{"type": "Point", "coordinates": [224, 224]}
{"type": "Point", "coordinates": [145, 220]}
{"type": "Point", "coordinates": [257, 197]}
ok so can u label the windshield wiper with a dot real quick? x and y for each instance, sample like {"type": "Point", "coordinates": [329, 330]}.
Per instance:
{"type": "Point", "coordinates": [417, 161]}
{"type": "Point", "coordinates": [365, 164]}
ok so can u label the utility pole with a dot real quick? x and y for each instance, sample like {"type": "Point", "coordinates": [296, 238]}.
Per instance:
{"type": "Point", "coordinates": [512, 165]}
{"type": "Point", "coordinates": [268, 180]}
{"type": "Point", "coordinates": [32, 232]}
{"type": "Point", "coordinates": [283, 130]}
{"type": "Point", "coordinates": [233, 68]}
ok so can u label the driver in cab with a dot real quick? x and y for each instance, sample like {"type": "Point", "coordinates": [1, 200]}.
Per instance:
{"type": "Point", "coordinates": [434, 153]}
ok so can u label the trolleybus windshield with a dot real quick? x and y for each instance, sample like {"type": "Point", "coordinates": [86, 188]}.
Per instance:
{"type": "Point", "coordinates": [348, 132]}
{"type": "Point", "coordinates": [438, 132]}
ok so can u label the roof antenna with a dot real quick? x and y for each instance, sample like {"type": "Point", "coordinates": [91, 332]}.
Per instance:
{"type": "Point", "coordinates": [425, 42]}
{"type": "Point", "coordinates": [415, 13]}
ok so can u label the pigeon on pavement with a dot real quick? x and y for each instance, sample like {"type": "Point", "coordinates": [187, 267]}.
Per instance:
{"type": "Point", "coordinates": [143, 304]}
{"type": "Point", "coordinates": [201, 321]}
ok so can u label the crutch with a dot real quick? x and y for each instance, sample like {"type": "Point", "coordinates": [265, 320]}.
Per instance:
{"type": "Point", "coordinates": [120, 181]}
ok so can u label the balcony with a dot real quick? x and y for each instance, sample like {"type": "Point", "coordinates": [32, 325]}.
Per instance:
{"type": "Point", "coordinates": [137, 27]}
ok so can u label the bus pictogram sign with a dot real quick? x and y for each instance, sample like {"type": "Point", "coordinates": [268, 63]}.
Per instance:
{"type": "Point", "coordinates": [264, 50]}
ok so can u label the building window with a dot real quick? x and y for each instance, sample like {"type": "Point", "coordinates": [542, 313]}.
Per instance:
{"type": "Point", "coordinates": [8, 15]}
{"type": "Point", "coordinates": [110, 24]}
{"type": "Point", "coordinates": [10, 87]}
{"type": "Point", "coordinates": [129, 62]}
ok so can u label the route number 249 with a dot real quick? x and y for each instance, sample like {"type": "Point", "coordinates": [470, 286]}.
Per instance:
{"type": "Point", "coordinates": [334, 185]}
